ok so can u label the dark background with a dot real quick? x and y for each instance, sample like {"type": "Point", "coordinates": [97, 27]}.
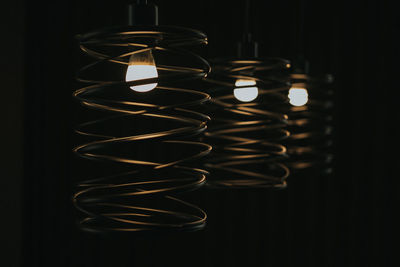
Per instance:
{"type": "Point", "coordinates": [342, 220]}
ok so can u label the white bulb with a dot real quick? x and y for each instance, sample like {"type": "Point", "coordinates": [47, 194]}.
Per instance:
{"type": "Point", "coordinates": [142, 66]}
{"type": "Point", "coordinates": [298, 96]}
{"type": "Point", "coordinates": [245, 94]}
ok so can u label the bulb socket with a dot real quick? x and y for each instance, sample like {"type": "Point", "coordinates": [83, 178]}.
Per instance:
{"type": "Point", "coordinates": [300, 65]}
{"type": "Point", "coordinates": [247, 48]}
{"type": "Point", "coordinates": [142, 13]}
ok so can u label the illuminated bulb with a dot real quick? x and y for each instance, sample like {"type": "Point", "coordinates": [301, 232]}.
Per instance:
{"type": "Point", "coordinates": [245, 94]}
{"type": "Point", "coordinates": [142, 66]}
{"type": "Point", "coordinates": [298, 96]}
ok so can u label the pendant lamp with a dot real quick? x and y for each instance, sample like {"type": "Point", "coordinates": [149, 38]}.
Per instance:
{"type": "Point", "coordinates": [310, 111]}
{"type": "Point", "coordinates": [139, 133]}
{"type": "Point", "coordinates": [248, 126]}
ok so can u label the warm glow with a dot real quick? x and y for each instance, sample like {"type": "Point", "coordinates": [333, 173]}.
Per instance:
{"type": "Point", "coordinates": [142, 66]}
{"type": "Point", "coordinates": [245, 94]}
{"type": "Point", "coordinates": [298, 96]}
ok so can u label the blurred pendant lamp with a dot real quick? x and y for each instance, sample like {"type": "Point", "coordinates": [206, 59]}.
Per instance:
{"type": "Point", "coordinates": [309, 110]}
{"type": "Point", "coordinates": [247, 128]}
{"type": "Point", "coordinates": [139, 134]}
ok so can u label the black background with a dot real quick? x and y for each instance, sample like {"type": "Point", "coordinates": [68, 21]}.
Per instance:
{"type": "Point", "coordinates": [343, 220]}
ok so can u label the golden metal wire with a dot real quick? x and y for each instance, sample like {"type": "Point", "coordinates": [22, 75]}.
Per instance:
{"type": "Point", "coordinates": [147, 137]}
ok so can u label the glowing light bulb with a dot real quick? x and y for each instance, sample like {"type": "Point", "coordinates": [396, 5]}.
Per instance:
{"type": "Point", "coordinates": [142, 66]}
{"type": "Point", "coordinates": [245, 94]}
{"type": "Point", "coordinates": [298, 96]}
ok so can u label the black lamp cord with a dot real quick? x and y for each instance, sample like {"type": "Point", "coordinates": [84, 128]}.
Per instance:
{"type": "Point", "coordinates": [300, 41]}
{"type": "Point", "coordinates": [246, 19]}
{"type": "Point", "coordinates": [247, 47]}
{"type": "Point", "coordinates": [141, 2]}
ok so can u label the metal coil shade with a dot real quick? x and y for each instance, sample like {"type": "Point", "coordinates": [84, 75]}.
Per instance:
{"type": "Point", "coordinates": [247, 136]}
{"type": "Point", "coordinates": [136, 147]}
{"type": "Point", "coordinates": [311, 126]}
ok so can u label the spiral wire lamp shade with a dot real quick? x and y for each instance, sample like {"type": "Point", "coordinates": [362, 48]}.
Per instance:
{"type": "Point", "coordinates": [247, 135]}
{"type": "Point", "coordinates": [310, 110]}
{"type": "Point", "coordinates": [310, 124]}
{"type": "Point", "coordinates": [139, 144]}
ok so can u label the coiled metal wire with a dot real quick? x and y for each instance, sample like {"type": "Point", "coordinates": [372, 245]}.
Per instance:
{"type": "Point", "coordinates": [311, 126]}
{"type": "Point", "coordinates": [247, 136]}
{"type": "Point", "coordinates": [135, 151]}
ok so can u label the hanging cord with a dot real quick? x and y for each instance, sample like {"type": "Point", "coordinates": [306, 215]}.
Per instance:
{"type": "Point", "coordinates": [246, 19]}
{"type": "Point", "coordinates": [300, 42]}
{"type": "Point", "coordinates": [247, 47]}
